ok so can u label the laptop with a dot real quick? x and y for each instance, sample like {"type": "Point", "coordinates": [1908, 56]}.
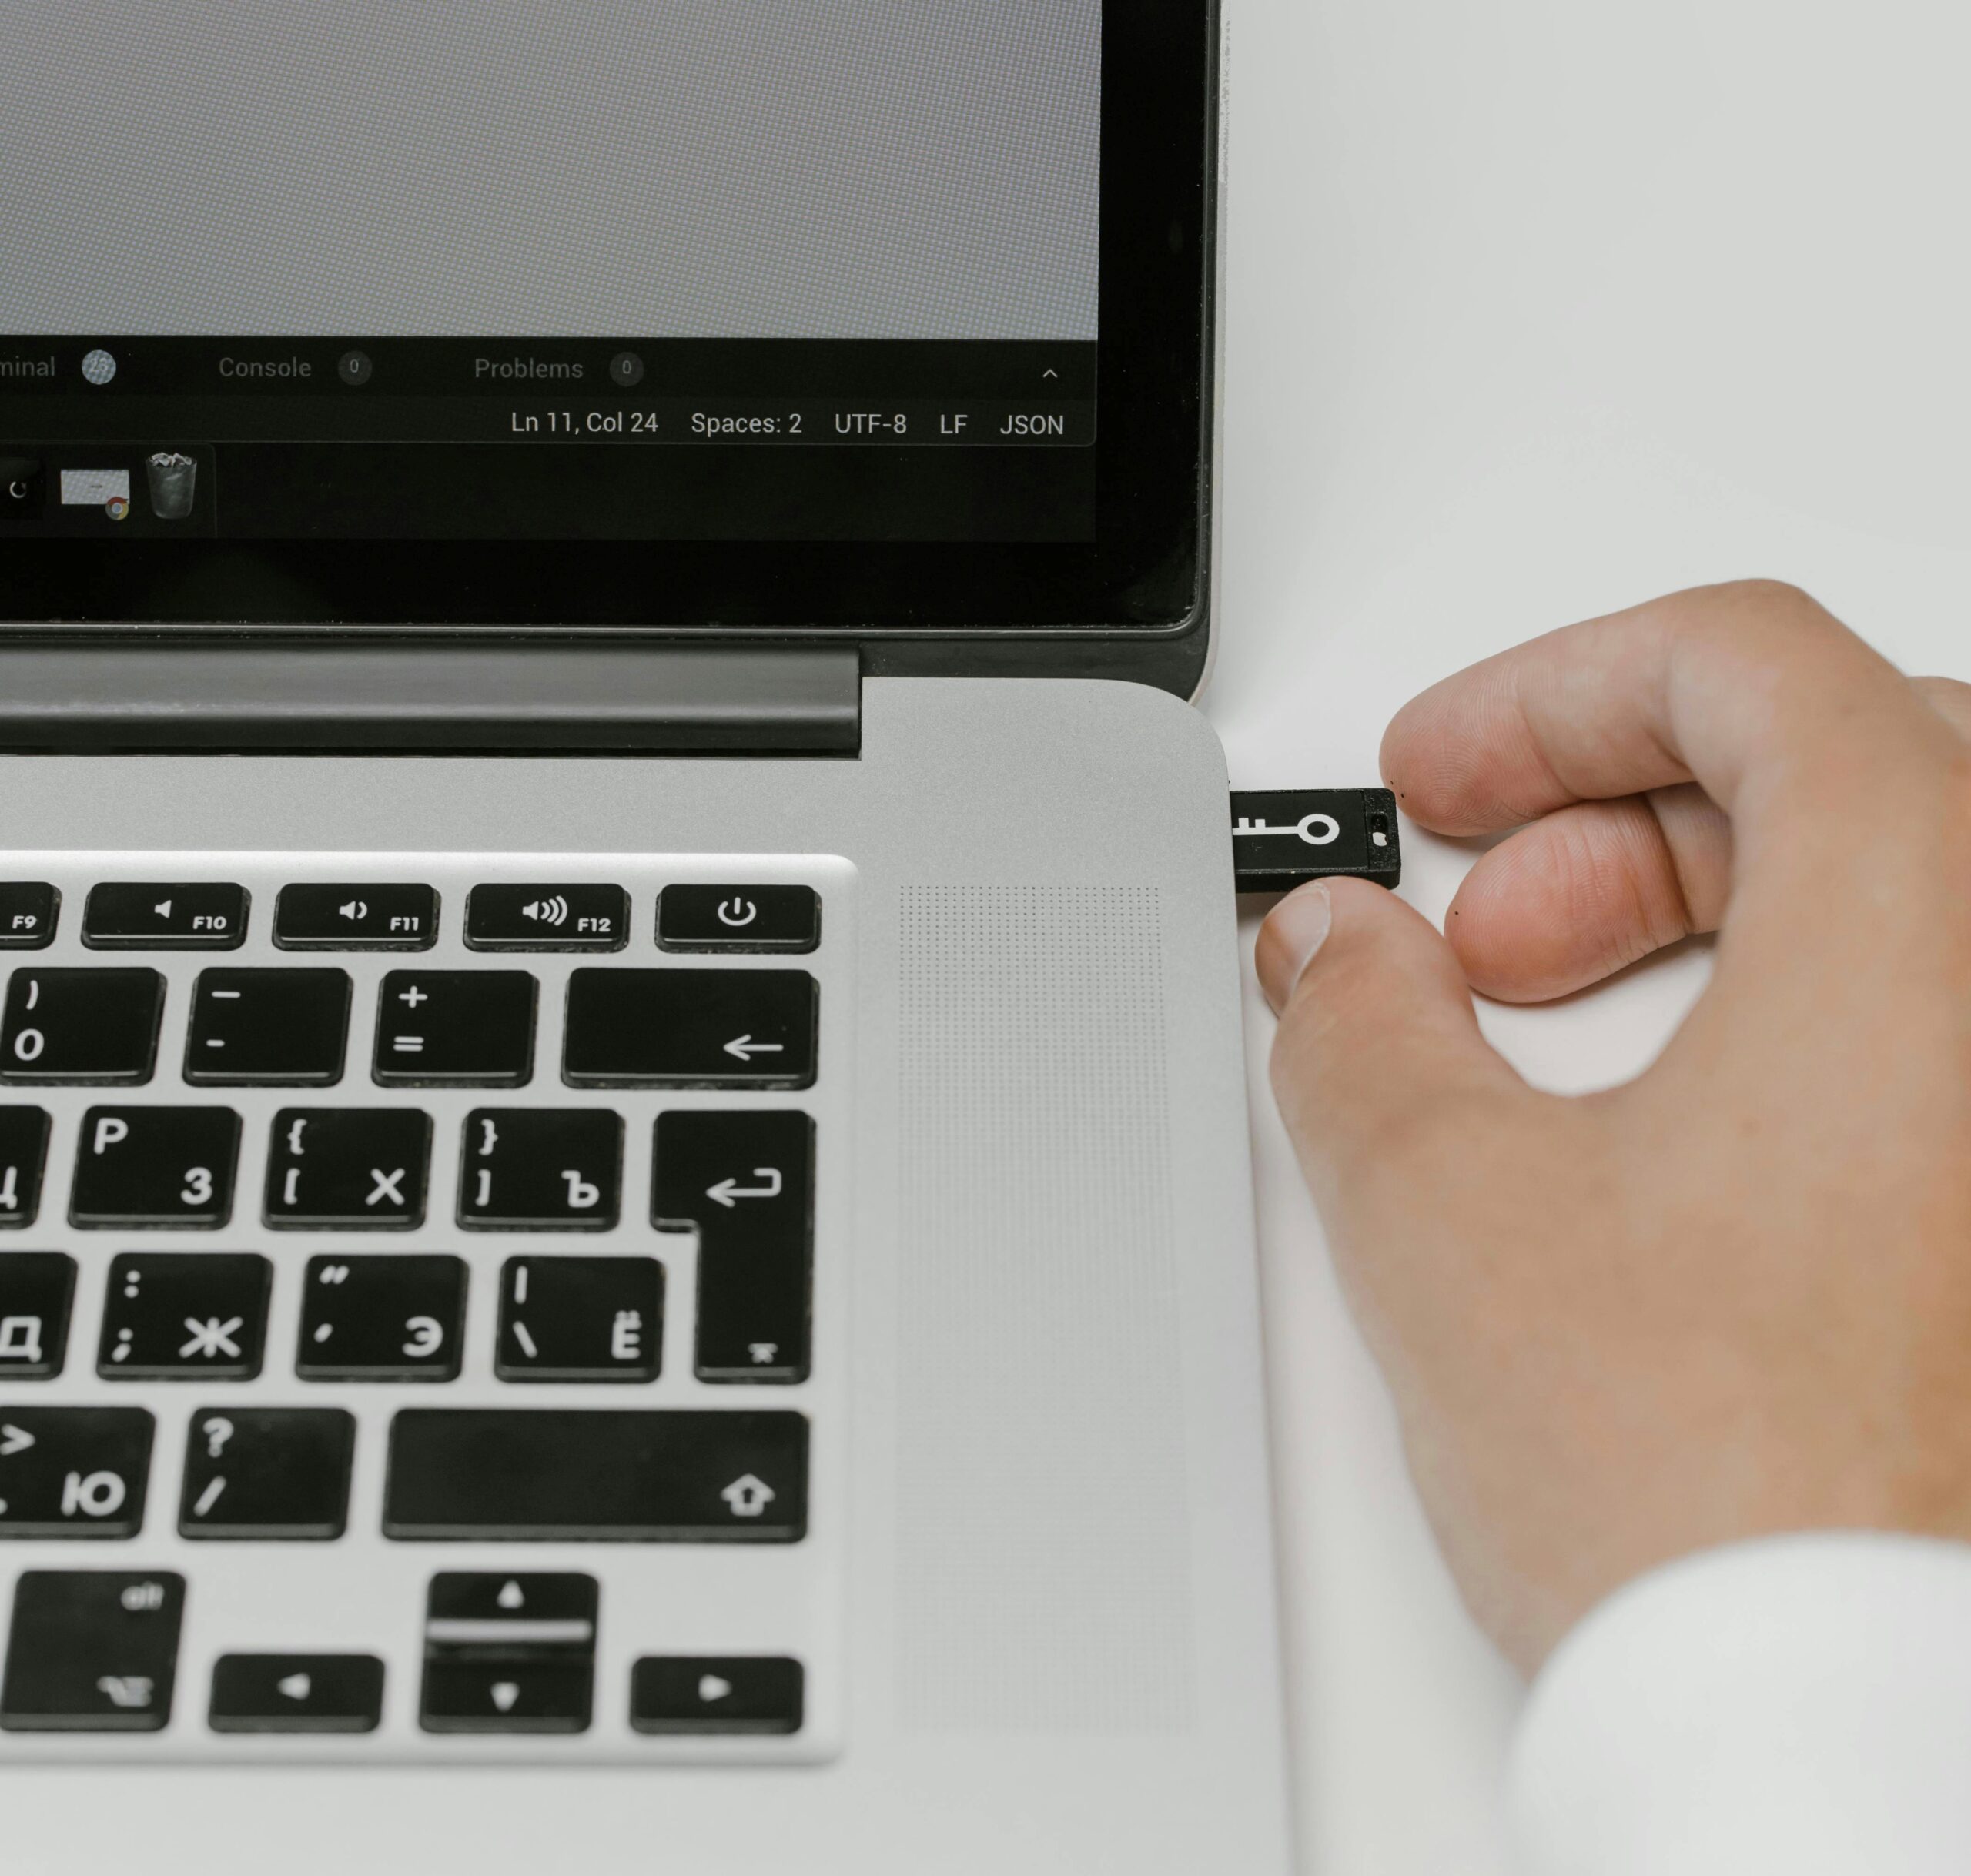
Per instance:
{"type": "Point", "coordinates": [625, 1233]}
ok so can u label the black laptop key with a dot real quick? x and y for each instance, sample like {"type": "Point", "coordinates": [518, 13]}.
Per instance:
{"type": "Point", "coordinates": [508, 1697]}
{"type": "Point", "coordinates": [348, 1169]}
{"type": "Point", "coordinates": [547, 918]}
{"type": "Point", "coordinates": [382, 1318]}
{"type": "Point", "coordinates": [280, 1473]}
{"type": "Point", "coordinates": [541, 1169]}
{"type": "Point", "coordinates": [509, 1653]}
{"type": "Point", "coordinates": [296, 1693]}
{"type": "Point", "coordinates": [204, 915]}
{"type": "Point", "coordinates": [738, 919]}
{"type": "Point", "coordinates": [177, 1316]}
{"type": "Point", "coordinates": [622, 1474]}
{"type": "Point", "coordinates": [23, 1156]}
{"type": "Point", "coordinates": [275, 1028]}
{"type": "Point", "coordinates": [580, 1319]}
{"type": "Point", "coordinates": [747, 1181]}
{"type": "Point", "coordinates": [37, 1288]}
{"type": "Point", "coordinates": [716, 1694]}
{"type": "Point", "coordinates": [170, 1167]}
{"type": "Point", "coordinates": [461, 1028]}
{"type": "Point", "coordinates": [28, 909]}
{"type": "Point", "coordinates": [683, 1028]}
{"type": "Point", "coordinates": [73, 1472]}
{"type": "Point", "coordinates": [510, 1610]}
{"type": "Point", "coordinates": [92, 1651]}
{"type": "Point", "coordinates": [391, 917]}
{"type": "Point", "coordinates": [81, 1025]}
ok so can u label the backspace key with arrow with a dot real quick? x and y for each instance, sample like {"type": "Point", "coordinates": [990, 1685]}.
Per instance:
{"type": "Point", "coordinates": [690, 1029]}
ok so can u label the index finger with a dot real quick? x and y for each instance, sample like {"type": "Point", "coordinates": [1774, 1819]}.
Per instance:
{"type": "Point", "coordinates": [1753, 691]}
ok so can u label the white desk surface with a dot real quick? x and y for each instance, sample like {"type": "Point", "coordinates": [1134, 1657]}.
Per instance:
{"type": "Point", "coordinates": [1539, 307]}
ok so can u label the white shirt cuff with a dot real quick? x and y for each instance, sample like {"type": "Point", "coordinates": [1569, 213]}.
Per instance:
{"type": "Point", "coordinates": [1800, 1704]}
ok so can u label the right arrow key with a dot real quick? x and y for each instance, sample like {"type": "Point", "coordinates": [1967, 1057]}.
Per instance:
{"type": "Point", "coordinates": [716, 1694]}
{"type": "Point", "coordinates": [686, 1028]}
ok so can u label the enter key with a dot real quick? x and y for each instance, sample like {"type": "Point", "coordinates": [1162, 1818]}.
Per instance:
{"type": "Point", "coordinates": [745, 1182]}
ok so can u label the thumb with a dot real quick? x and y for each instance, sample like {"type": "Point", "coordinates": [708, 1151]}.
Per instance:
{"type": "Point", "coordinates": [1379, 1047]}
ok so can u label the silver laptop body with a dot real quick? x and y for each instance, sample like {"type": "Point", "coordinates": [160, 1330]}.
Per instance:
{"type": "Point", "coordinates": [621, 1246]}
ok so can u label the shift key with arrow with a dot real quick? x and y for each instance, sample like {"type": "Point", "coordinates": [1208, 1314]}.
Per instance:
{"type": "Point", "coordinates": [746, 1180]}
{"type": "Point", "coordinates": [690, 1028]}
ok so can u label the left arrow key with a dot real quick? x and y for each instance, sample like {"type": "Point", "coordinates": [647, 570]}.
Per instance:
{"type": "Point", "coordinates": [73, 1472]}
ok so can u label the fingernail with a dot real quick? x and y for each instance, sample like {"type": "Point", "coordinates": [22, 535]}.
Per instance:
{"type": "Point", "coordinates": [1294, 933]}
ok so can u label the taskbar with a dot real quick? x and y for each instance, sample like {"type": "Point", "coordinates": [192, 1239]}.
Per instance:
{"type": "Point", "coordinates": [355, 370]}
{"type": "Point", "coordinates": [956, 422]}
{"type": "Point", "coordinates": [290, 438]}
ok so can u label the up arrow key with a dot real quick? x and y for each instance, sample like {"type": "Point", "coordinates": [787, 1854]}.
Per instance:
{"type": "Point", "coordinates": [13, 1439]}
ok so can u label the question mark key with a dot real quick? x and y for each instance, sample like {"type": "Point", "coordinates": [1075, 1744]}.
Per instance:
{"type": "Point", "coordinates": [267, 1472]}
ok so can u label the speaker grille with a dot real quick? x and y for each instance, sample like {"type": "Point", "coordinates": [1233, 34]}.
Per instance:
{"type": "Point", "coordinates": [1044, 1580]}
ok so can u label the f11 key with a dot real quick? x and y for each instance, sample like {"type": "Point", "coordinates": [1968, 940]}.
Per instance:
{"type": "Point", "coordinates": [395, 917]}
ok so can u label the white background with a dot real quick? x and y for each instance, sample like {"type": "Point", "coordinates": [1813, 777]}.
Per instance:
{"type": "Point", "coordinates": [1539, 307]}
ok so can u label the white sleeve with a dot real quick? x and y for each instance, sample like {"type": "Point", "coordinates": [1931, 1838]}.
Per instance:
{"type": "Point", "coordinates": [1798, 1705]}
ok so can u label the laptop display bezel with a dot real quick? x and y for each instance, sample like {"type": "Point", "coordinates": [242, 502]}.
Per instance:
{"type": "Point", "coordinates": [1121, 604]}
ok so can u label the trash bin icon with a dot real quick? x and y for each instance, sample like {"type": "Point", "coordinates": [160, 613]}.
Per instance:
{"type": "Point", "coordinates": [174, 483]}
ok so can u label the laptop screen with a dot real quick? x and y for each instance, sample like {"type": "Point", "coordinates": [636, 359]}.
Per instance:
{"type": "Point", "coordinates": [789, 272]}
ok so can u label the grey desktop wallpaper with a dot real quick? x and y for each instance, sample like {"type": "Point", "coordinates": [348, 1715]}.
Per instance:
{"type": "Point", "coordinates": [798, 169]}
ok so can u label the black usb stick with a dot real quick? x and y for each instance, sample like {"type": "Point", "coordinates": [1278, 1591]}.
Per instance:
{"type": "Point", "coordinates": [1282, 838]}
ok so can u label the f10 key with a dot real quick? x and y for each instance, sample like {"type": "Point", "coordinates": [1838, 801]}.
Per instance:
{"type": "Point", "coordinates": [204, 916]}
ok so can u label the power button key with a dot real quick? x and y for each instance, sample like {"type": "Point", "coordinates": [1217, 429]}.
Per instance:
{"type": "Point", "coordinates": [757, 918]}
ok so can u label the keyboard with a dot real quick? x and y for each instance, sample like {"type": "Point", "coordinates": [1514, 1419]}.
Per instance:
{"type": "Point", "coordinates": [421, 1315]}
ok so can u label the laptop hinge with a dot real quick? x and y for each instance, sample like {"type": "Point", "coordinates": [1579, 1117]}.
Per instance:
{"type": "Point", "coordinates": [576, 699]}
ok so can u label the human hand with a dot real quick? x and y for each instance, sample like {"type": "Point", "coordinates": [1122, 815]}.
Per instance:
{"type": "Point", "coordinates": [1733, 1297]}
